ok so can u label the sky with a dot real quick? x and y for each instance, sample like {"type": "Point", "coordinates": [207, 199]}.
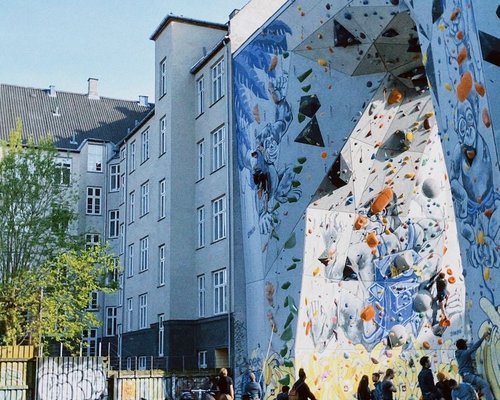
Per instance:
{"type": "Point", "coordinates": [65, 42]}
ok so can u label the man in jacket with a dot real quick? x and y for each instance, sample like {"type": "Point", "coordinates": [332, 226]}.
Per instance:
{"type": "Point", "coordinates": [426, 381]}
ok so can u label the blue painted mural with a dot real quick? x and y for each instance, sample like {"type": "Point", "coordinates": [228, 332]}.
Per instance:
{"type": "Point", "coordinates": [369, 186]}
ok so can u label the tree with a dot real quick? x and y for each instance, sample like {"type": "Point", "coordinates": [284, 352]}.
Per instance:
{"type": "Point", "coordinates": [47, 274]}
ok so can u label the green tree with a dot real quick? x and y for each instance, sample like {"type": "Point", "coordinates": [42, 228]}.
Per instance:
{"type": "Point", "coordinates": [47, 274]}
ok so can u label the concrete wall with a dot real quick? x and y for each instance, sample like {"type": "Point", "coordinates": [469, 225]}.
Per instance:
{"type": "Point", "coordinates": [339, 286]}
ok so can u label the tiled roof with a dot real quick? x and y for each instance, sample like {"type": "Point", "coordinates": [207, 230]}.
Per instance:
{"type": "Point", "coordinates": [66, 116]}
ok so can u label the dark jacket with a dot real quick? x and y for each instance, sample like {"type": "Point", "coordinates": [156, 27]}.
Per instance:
{"type": "Point", "coordinates": [303, 390]}
{"type": "Point", "coordinates": [253, 389]}
{"type": "Point", "coordinates": [426, 383]}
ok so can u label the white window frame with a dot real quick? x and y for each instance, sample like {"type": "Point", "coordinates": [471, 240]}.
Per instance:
{"type": "Point", "coordinates": [130, 260]}
{"type": "Point", "coordinates": [200, 224]}
{"type": "Point", "coordinates": [143, 311]}
{"type": "Point", "coordinates": [142, 363]}
{"type": "Point", "coordinates": [218, 148]}
{"type": "Point", "coordinates": [144, 251]}
{"type": "Point", "coordinates": [122, 154]}
{"type": "Point", "coordinates": [93, 301]}
{"type": "Point", "coordinates": [122, 238]}
{"type": "Point", "coordinates": [92, 239]}
{"type": "Point", "coordinates": [162, 201]}
{"type": "Point", "coordinates": [200, 167]}
{"type": "Point", "coordinates": [130, 313]}
{"type": "Point", "coordinates": [161, 335]}
{"type": "Point", "coordinates": [145, 145]}
{"type": "Point", "coordinates": [131, 155]}
{"type": "Point", "coordinates": [161, 264]}
{"type": "Point", "coordinates": [217, 74]}
{"type": "Point", "coordinates": [220, 291]}
{"type": "Point", "coordinates": [119, 332]}
{"type": "Point", "coordinates": [114, 177]}
{"type": "Point", "coordinates": [163, 135]}
{"type": "Point", "coordinates": [64, 165]}
{"type": "Point", "coordinates": [95, 157]}
{"type": "Point", "coordinates": [163, 77]}
{"type": "Point", "coordinates": [111, 321]}
{"type": "Point", "coordinates": [120, 289]}
{"type": "Point", "coordinates": [202, 296]}
{"type": "Point", "coordinates": [219, 218]}
{"type": "Point", "coordinates": [94, 200]}
{"type": "Point", "coordinates": [113, 223]}
{"type": "Point", "coordinates": [144, 198]}
{"type": "Point", "coordinates": [89, 336]}
{"type": "Point", "coordinates": [202, 359]}
{"type": "Point", "coordinates": [131, 207]}
{"type": "Point", "coordinates": [122, 188]}
{"type": "Point", "coordinates": [200, 95]}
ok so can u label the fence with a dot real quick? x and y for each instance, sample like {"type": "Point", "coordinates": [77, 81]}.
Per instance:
{"type": "Point", "coordinates": [24, 377]}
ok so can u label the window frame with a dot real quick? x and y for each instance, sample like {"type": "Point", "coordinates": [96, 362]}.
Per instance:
{"type": "Point", "coordinates": [130, 260]}
{"type": "Point", "coordinates": [111, 321]}
{"type": "Point", "coordinates": [131, 207]}
{"type": "Point", "coordinates": [217, 80]}
{"type": "Point", "coordinates": [114, 178]}
{"type": "Point", "coordinates": [219, 219]}
{"type": "Point", "coordinates": [113, 223]}
{"type": "Point", "coordinates": [202, 296]}
{"type": "Point", "coordinates": [200, 95]}
{"type": "Point", "coordinates": [162, 201]}
{"type": "Point", "coordinates": [143, 311]}
{"type": "Point", "coordinates": [145, 145]}
{"type": "Point", "coordinates": [64, 165]}
{"type": "Point", "coordinates": [200, 166]}
{"type": "Point", "coordinates": [219, 291]}
{"type": "Point", "coordinates": [93, 200]}
{"type": "Point", "coordinates": [161, 335]}
{"type": "Point", "coordinates": [89, 336]}
{"type": "Point", "coordinates": [95, 161]}
{"type": "Point", "coordinates": [131, 156]}
{"type": "Point", "coordinates": [200, 227]}
{"type": "Point", "coordinates": [161, 264]}
{"type": "Point", "coordinates": [202, 359]}
{"type": "Point", "coordinates": [163, 135]}
{"type": "Point", "coordinates": [144, 254]}
{"type": "Point", "coordinates": [163, 77]}
{"type": "Point", "coordinates": [144, 206]}
{"type": "Point", "coordinates": [218, 138]}
{"type": "Point", "coordinates": [130, 313]}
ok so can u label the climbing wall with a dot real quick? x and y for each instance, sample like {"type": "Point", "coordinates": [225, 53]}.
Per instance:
{"type": "Point", "coordinates": [347, 212]}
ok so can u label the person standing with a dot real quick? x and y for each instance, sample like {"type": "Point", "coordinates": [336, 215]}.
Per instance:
{"type": "Point", "coordinates": [363, 389]}
{"type": "Point", "coordinates": [443, 385]}
{"type": "Point", "coordinates": [226, 388]}
{"type": "Point", "coordinates": [464, 356]}
{"type": "Point", "coordinates": [252, 388]}
{"type": "Point", "coordinates": [300, 386]}
{"type": "Point", "coordinates": [462, 391]}
{"type": "Point", "coordinates": [388, 388]}
{"type": "Point", "coordinates": [376, 393]}
{"type": "Point", "coordinates": [426, 381]}
{"type": "Point", "coordinates": [284, 393]}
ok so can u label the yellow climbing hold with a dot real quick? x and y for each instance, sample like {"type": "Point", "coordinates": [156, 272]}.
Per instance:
{"type": "Point", "coordinates": [448, 87]}
{"type": "Point", "coordinates": [487, 273]}
{"type": "Point", "coordinates": [480, 238]}
{"type": "Point", "coordinates": [322, 62]}
{"type": "Point", "coordinates": [441, 27]}
{"type": "Point", "coordinates": [410, 175]}
{"type": "Point", "coordinates": [409, 136]}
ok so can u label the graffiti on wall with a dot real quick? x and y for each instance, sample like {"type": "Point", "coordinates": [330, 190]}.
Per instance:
{"type": "Point", "coordinates": [72, 378]}
{"type": "Point", "coordinates": [352, 245]}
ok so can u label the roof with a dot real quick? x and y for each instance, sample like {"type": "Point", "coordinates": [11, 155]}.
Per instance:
{"type": "Point", "coordinates": [70, 117]}
{"type": "Point", "coordinates": [173, 18]}
{"type": "Point", "coordinates": [206, 58]}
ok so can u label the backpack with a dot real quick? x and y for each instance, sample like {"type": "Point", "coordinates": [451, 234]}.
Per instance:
{"type": "Point", "coordinates": [293, 394]}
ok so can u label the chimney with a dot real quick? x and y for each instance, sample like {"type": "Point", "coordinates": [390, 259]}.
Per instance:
{"type": "Point", "coordinates": [143, 101]}
{"type": "Point", "coordinates": [52, 91]}
{"type": "Point", "coordinates": [92, 92]}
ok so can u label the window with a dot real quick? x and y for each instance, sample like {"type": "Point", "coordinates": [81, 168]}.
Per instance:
{"type": "Point", "coordinates": [143, 362]}
{"type": "Point", "coordinates": [94, 301]}
{"type": "Point", "coordinates": [217, 81]}
{"type": "Point", "coordinates": [114, 177]}
{"type": "Point", "coordinates": [113, 274]}
{"type": "Point", "coordinates": [130, 313]}
{"type": "Point", "coordinates": [161, 335]}
{"type": "Point", "coordinates": [113, 223]}
{"type": "Point", "coordinates": [162, 212]}
{"type": "Point", "coordinates": [144, 263]}
{"type": "Point", "coordinates": [92, 239]}
{"type": "Point", "coordinates": [130, 264]}
{"type": "Point", "coordinates": [145, 145]}
{"type": "Point", "coordinates": [89, 341]}
{"type": "Point", "coordinates": [200, 95]}
{"type": "Point", "coordinates": [122, 187]}
{"type": "Point", "coordinates": [122, 238]}
{"type": "Point", "coordinates": [131, 156]}
{"type": "Point", "coordinates": [219, 280]}
{"type": "Point", "coordinates": [120, 290]}
{"type": "Point", "coordinates": [163, 77]}
{"type": "Point", "coordinates": [143, 311]}
{"type": "Point", "coordinates": [129, 363]}
{"type": "Point", "coordinates": [93, 200]}
{"type": "Point", "coordinates": [63, 165]}
{"type": "Point", "coordinates": [202, 359]}
{"type": "Point", "coordinates": [110, 321]}
{"type": "Point", "coordinates": [200, 214]}
{"type": "Point", "coordinates": [201, 295]}
{"type": "Point", "coordinates": [218, 157]}
{"type": "Point", "coordinates": [95, 156]}
{"type": "Point", "coordinates": [120, 339]}
{"type": "Point", "coordinates": [161, 265]}
{"type": "Point", "coordinates": [144, 198]}
{"type": "Point", "coordinates": [219, 218]}
{"type": "Point", "coordinates": [201, 159]}
{"type": "Point", "coordinates": [163, 135]}
{"type": "Point", "coordinates": [122, 154]}
{"type": "Point", "coordinates": [131, 207]}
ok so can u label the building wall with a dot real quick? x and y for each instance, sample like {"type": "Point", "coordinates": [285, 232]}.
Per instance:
{"type": "Point", "coordinates": [338, 287]}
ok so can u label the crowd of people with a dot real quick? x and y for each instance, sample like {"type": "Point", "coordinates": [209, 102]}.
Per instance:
{"type": "Point", "coordinates": [471, 388]}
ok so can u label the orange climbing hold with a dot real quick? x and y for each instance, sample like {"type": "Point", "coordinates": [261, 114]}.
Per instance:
{"type": "Point", "coordinates": [368, 313]}
{"type": "Point", "coordinates": [426, 345]}
{"type": "Point", "coordinates": [454, 14]}
{"type": "Point", "coordinates": [382, 200]}
{"type": "Point", "coordinates": [360, 222]}
{"type": "Point", "coordinates": [462, 55]}
{"type": "Point", "coordinates": [452, 280]}
{"type": "Point", "coordinates": [464, 87]}
{"type": "Point", "coordinates": [371, 240]}
{"type": "Point", "coordinates": [460, 35]}
{"type": "Point", "coordinates": [486, 118]}
{"type": "Point", "coordinates": [394, 97]}
{"type": "Point", "coordinates": [274, 63]}
{"type": "Point", "coordinates": [480, 89]}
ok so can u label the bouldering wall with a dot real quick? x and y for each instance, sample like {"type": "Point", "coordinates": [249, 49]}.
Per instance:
{"type": "Point", "coordinates": [347, 210]}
